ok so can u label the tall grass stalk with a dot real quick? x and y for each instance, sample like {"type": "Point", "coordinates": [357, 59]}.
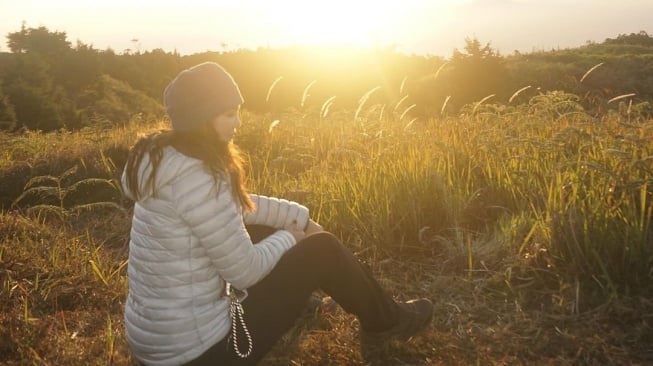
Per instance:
{"type": "Point", "coordinates": [398, 104]}
{"type": "Point", "coordinates": [444, 104]}
{"type": "Point", "coordinates": [588, 72]}
{"type": "Point", "coordinates": [406, 111]}
{"type": "Point", "coordinates": [271, 88]}
{"type": "Point", "coordinates": [516, 94]}
{"type": "Point", "coordinates": [554, 203]}
{"type": "Point", "coordinates": [305, 93]}
{"type": "Point", "coordinates": [620, 97]}
{"type": "Point", "coordinates": [363, 100]}
{"type": "Point", "coordinates": [111, 340]}
{"type": "Point", "coordinates": [324, 111]}
{"type": "Point", "coordinates": [480, 102]}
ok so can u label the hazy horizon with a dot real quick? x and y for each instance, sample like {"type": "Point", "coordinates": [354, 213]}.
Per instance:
{"type": "Point", "coordinates": [413, 26]}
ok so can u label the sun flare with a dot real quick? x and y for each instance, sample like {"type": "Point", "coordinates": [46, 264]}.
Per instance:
{"type": "Point", "coordinates": [334, 22]}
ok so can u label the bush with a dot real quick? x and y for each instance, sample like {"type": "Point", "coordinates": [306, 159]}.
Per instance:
{"type": "Point", "coordinates": [115, 102]}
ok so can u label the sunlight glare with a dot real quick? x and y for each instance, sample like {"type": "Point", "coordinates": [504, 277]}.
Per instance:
{"type": "Point", "coordinates": [333, 22]}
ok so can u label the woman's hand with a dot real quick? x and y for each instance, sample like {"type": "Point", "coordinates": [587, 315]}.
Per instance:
{"type": "Point", "coordinates": [298, 233]}
{"type": "Point", "coordinates": [313, 227]}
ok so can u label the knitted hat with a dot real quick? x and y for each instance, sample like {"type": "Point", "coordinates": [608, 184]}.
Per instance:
{"type": "Point", "coordinates": [198, 94]}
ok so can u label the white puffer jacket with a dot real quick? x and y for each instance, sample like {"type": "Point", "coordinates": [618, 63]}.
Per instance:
{"type": "Point", "coordinates": [187, 239]}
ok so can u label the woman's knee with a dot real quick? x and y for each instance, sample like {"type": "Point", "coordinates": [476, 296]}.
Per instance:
{"type": "Point", "coordinates": [322, 239]}
{"type": "Point", "coordinates": [323, 245]}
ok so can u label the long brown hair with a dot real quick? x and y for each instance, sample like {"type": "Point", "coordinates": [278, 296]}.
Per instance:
{"type": "Point", "coordinates": [222, 159]}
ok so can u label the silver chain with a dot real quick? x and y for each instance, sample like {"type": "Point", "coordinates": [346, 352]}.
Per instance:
{"type": "Point", "coordinates": [237, 312]}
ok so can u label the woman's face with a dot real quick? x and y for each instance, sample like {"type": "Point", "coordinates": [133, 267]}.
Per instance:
{"type": "Point", "coordinates": [225, 125]}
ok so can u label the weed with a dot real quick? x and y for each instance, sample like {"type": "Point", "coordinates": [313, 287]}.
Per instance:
{"type": "Point", "coordinates": [528, 224]}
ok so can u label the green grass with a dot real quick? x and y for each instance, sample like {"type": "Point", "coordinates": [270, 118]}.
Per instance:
{"type": "Point", "coordinates": [528, 225]}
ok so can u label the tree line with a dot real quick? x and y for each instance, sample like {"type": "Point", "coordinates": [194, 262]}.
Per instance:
{"type": "Point", "coordinates": [47, 83]}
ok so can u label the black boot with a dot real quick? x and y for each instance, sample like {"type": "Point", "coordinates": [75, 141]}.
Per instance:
{"type": "Point", "coordinates": [414, 316]}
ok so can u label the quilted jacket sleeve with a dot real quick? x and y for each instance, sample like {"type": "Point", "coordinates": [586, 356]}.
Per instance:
{"type": "Point", "coordinates": [216, 220]}
{"type": "Point", "coordinates": [276, 213]}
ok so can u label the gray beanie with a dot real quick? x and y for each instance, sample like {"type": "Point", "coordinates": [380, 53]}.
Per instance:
{"type": "Point", "coordinates": [198, 94]}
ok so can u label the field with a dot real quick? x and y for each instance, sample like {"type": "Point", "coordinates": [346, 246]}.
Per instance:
{"type": "Point", "coordinates": [527, 225]}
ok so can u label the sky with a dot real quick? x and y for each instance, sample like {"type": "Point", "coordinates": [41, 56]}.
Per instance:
{"type": "Point", "coordinates": [422, 27]}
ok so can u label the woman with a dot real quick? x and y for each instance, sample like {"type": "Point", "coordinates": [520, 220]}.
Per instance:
{"type": "Point", "coordinates": [200, 292]}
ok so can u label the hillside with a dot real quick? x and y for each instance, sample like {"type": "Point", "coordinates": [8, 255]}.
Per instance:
{"type": "Point", "coordinates": [527, 225]}
{"type": "Point", "coordinates": [47, 84]}
{"type": "Point", "coordinates": [512, 190]}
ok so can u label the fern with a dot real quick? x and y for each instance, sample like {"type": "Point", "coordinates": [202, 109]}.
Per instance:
{"type": "Point", "coordinates": [89, 207]}
{"type": "Point", "coordinates": [93, 182]}
{"type": "Point", "coordinates": [68, 173]}
{"type": "Point", "coordinates": [41, 211]}
{"type": "Point", "coordinates": [46, 190]}
{"type": "Point", "coordinates": [42, 192]}
{"type": "Point", "coordinates": [40, 180]}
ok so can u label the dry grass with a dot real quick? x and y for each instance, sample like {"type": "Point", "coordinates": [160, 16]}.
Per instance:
{"type": "Point", "coordinates": [461, 210]}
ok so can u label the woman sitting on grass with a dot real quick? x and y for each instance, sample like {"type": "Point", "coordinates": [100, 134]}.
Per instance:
{"type": "Point", "coordinates": [200, 291]}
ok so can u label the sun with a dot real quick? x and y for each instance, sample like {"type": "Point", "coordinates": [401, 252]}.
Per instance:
{"type": "Point", "coordinates": [353, 22]}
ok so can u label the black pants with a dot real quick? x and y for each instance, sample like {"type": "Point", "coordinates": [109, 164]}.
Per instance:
{"type": "Point", "coordinates": [319, 261]}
